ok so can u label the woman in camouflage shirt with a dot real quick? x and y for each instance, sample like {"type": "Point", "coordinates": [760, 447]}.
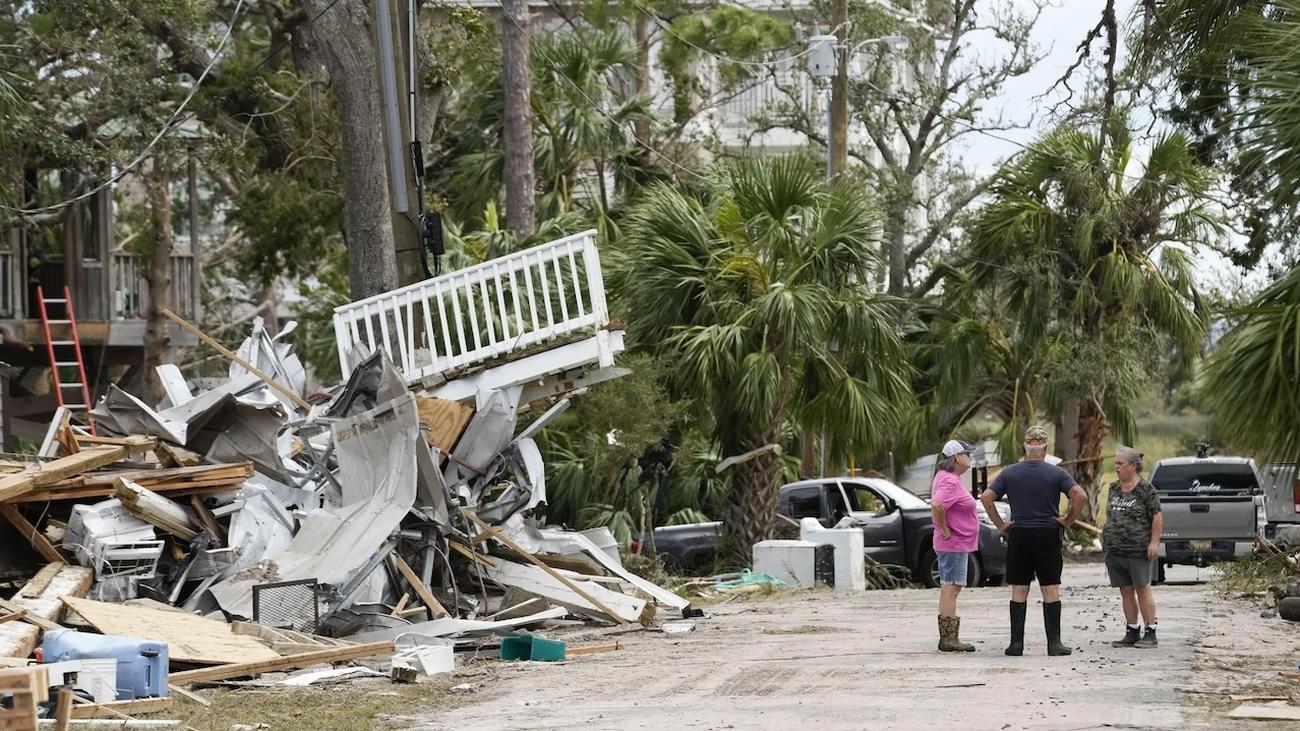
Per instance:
{"type": "Point", "coordinates": [1131, 539]}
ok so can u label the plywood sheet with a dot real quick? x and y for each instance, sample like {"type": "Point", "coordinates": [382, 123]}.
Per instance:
{"type": "Point", "coordinates": [445, 419]}
{"type": "Point", "coordinates": [189, 637]}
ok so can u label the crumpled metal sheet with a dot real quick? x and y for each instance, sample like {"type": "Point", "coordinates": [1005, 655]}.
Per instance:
{"type": "Point", "coordinates": [274, 357]}
{"type": "Point", "coordinates": [118, 412]}
{"type": "Point", "coordinates": [488, 433]}
{"type": "Point", "coordinates": [377, 471]}
{"type": "Point", "coordinates": [261, 530]}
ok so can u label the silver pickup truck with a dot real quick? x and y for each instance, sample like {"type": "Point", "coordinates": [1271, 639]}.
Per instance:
{"type": "Point", "coordinates": [1213, 508]}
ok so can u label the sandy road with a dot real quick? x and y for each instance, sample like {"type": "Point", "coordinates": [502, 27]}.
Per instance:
{"type": "Point", "coordinates": [821, 660]}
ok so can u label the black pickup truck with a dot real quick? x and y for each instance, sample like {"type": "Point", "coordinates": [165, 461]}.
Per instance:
{"type": "Point", "coordinates": [895, 525]}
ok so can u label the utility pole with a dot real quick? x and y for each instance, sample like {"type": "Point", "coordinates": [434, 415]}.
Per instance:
{"type": "Point", "coordinates": [839, 139]}
{"type": "Point", "coordinates": [393, 25]}
{"type": "Point", "coordinates": [518, 122]}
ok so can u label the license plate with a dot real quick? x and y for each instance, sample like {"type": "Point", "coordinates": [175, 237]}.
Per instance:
{"type": "Point", "coordinates": [1201, 545]}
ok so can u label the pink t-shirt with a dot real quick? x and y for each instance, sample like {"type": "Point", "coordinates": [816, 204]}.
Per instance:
{"type": "Point", "coordinates": [959, 511]}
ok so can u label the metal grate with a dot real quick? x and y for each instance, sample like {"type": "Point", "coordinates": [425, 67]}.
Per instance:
{"type": "Point", "coordinates": [294, 605]}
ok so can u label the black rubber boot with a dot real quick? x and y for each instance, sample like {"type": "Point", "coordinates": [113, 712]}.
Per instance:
{"type": "Point", "coordinates": [1017, 646]}
{"type": "Point", "coordinates": [1131, 635]}
{"type": "Point", "coordinates": [1052, 621]}
{"type": "Point", "coordinates": [1148, 639]}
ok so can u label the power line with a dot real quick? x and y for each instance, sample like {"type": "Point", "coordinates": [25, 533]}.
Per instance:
{"type": "Point", "coordinates": [172, 122]}
{"type": "Point", "coordinates": [167, 127]}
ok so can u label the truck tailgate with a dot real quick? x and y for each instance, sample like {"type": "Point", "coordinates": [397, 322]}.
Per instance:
{"type": "Point", "coordinates": [1200, 517]}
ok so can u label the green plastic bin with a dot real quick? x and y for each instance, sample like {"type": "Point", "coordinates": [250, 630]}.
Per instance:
{"type": "Point", "coordinates": [531, 647]}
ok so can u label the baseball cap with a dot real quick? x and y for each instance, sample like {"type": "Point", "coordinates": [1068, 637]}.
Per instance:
{"type": "Point", "coordinates": [1036, 432]}
{"type": "Point", "coordinates": [955, 447]}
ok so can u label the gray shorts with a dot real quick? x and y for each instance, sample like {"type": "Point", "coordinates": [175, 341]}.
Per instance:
{"type": "Point", "coordinates": [1126, 571]}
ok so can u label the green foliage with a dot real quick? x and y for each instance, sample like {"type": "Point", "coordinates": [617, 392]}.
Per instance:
{"type": "Point", "coordinates": [287, 219]}
{"type": "Point", "coordinates": [594, 452]}
{"type": "Point", "coordinates": [1235, 73]}
{"type": "Point", "coordinates": [726, 30]}
{"type": "Point", "coordinates": [584, 107]}
{"type": "Point", "coordinates": [1250, 384]}
{"type": "Point", "coordinates": [759, 291]}
{"type": "Point", "coordinates": [1078, 285]}
{"type": "Point", "coordinates": [328, 288]}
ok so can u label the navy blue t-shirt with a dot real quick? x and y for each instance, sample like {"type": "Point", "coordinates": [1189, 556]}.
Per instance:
{"type": "Point", "coordinates": [1034, 489]}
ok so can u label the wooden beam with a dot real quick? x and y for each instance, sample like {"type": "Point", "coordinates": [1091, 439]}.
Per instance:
{"type": "Point", "coordinates": [189, 695]}
{"type": "Point", "coordinates": [592, 649]}
{"type": "Point", "coordinates": [63, 709]}
{"type": "Point", "coordinates": [471, 554]}
{"type": "Point", "coordinates": [13, 615]}
{"type": "Point", "coordinates": [421, 590]}
{"type": "Point", "coordinates": [135, 442]}
{"type": "Point", "coordinates": [75, 464]}
{"type": "Point", "coordinates": [306, 659]}
{"type": "Point", "coordinates": [42, 579]}
{"type": "Point", "coordinates": [299, 400]}
{"type": "Point", "coordinates": [118, 709]}
{"type": "Point", "coordinates": [29, 617]}
{"type": "Point", "coordinates": [539, 564]}
{"type": "Point", "coordinates": [33, 536]}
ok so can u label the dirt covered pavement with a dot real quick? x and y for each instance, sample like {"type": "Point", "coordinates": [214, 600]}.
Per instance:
{"type": "Point", "coordinates": [835, 661]}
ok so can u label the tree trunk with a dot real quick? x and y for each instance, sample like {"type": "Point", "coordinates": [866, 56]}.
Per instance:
{"type": "Point", "coordinates": [898, 208]}
{"type": "Point", "coordinates": [752, 502]}
{"type": "Point", "coordinates": [342, 39]}
{"type": "Point", "coordinates": [158, 276]}
{"type": "Point", "coordinates": [839, 140]}
{"type": "Point", "coordinates": [641, 28]}
{"type": "Point", "coordinates": [1092, 430]}
{"type": "Point", "coordinates": [518, 122]}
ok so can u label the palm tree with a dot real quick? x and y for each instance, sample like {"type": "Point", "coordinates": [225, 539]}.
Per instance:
{"type": "Point", "coordinates": [1238, 73]}
{"type": "Point", "coordinates": [585, 110]}
{"type": "Point", "coordinates": [758, 289]}
{"type": "Point", "coordinates": [1097, 263]}
{"type": "Point", "coordinates": [1250, 381]}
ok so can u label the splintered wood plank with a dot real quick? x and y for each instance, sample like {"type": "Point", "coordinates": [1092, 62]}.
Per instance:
{"type": "Point", "coordinates": [117, 709]}
{"type": "Point", "coordinates": [19, 639]}
{"type": "Point", "coordinates": [41, 580]}
{"type": "Point", "coordinates": [289, 662]}
{"type": "Point", "coordinates": [75, 464]}
{"type": "Point", "coordinates": [135, 442]}
{"type": "Point", "coordinates": [189, 637]}
{"type": "Point", "coordinates": [446, 420]}
{"type": "Point", "coordinates": [33, 536]}
{"type": "Point", "coordinates": [421, 590]}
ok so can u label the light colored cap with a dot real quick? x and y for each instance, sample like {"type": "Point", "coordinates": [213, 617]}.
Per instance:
{"type": "Point", "coordinates": [955, 447]}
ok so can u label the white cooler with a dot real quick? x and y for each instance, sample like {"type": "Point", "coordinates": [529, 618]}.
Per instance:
{"type": "Point", "coordinates": [850, 558]}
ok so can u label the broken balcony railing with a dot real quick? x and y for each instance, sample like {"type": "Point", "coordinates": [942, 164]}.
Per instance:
{"type": "Point", "coordinates": [553, 293]}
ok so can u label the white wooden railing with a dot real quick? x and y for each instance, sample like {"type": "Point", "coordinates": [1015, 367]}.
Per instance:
{"type": "Point", "coordinates": [469, 316]}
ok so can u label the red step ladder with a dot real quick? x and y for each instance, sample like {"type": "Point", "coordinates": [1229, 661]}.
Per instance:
{"type": "Point", "coordinates": [72, 360]}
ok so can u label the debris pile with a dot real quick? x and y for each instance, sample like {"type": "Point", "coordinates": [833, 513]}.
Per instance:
{"type": "Point", "coordinates": [248, 528]}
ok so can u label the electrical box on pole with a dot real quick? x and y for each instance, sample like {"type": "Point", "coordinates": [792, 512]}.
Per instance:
{"type": "Point", "coordinates": [822, 63]}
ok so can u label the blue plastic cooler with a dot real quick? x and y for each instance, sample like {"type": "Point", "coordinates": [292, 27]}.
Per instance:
{"type": "Point", "coordinates": [141, 664]}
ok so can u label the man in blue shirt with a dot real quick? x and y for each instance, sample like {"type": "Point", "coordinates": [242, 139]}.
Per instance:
{"type": "Point", "coordinates": [1035, 535]}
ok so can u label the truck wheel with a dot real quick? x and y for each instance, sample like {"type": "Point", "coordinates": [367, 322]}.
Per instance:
{"type": "Point", "coordinates": [995, 580]}
{"type": "Point", "coordinates": [1289, 608]}
{"type": "Point", "coordinates": [929, 568]}
{"type": "Point", "coordinates": [1160, 572]}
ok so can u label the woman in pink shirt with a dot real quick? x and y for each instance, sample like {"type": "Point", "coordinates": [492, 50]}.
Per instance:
{"type": "Point", "coordinates": [956, 536]}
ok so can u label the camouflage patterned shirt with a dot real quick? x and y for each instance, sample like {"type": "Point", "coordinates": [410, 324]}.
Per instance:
{"type": "Point", "coordinates": [1128, 519]}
